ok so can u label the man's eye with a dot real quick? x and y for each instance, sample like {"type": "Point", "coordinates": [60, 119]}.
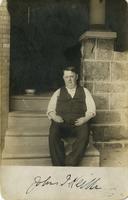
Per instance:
{"type": "Point", "coordinates": [69, 77]}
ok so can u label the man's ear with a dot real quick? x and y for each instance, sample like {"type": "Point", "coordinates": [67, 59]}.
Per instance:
{"type": "Point", "coordinates": [76, 76]}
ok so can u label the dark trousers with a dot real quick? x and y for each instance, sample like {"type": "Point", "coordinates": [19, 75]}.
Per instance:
{"type": "Point", "coordinates": [56, 144]}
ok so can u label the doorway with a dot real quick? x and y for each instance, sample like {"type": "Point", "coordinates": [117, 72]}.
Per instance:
{"type": "Point", "coordinates": [44, 39]}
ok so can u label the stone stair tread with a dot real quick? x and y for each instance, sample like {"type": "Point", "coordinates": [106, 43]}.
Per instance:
{"type": "Point", "coordinates": [38, 151]}
{"type": "Point", "coordinates": [17, 155]}
{"type": "Point", "coordinates": [28, 162]}
{"type": "Point", "coordinates": [36, 96]}
{"type": "Point", "coordinates": [25, 142]}
{"type": "Point", "coordinates": [30, 102]}
{"type": "Point", "coordinates": [28, 131]}
{"type": "Point", "coordinates": [27, 114]}
{"type": "Point", "coordinates": [86, 162]}
{"type": "Point", "coordinates": [27, 119]}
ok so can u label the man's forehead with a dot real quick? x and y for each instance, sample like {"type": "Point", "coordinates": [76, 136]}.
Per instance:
{"type": "Point", "coordinates": [68, 73]}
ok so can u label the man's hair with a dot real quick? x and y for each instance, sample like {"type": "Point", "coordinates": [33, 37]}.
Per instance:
{"type": "Point", "coordinates": [70, 68]}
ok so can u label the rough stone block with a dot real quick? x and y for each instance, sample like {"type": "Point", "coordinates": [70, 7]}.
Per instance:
{"type": "Point", "coordinates": [88, 49]}
{"type": "Point", "coordinates": [105, 49]}
{"type": "Point", "coordinates": [89, 86]}
{"type": "Point", "coordinates": [110, 87]}
{"type": "Point", "coordinates": [5, 52]}
{"type": "Point", "coordinates": [96, 71]}
{"type": "Point", "coordinates": [125, 117]}
{"type": "Point", "coordinates": [107, 133]}
{"type": "Point", "coordinates": [126, 145]}
{"type": "Point", "coordinates": [118, 101]}
{"type": "Point", "coordinates": [119, 71]}
{"type": "Point", "coordinates": [6, 45]}
{"type": "Point", "coordinates": [113, 145]}
{"type": "Point", "coordinates": [101, 101]}
{"type": "Point", "coordinates": [104, 54]}
{"type": "Point", "coordinates": [6, 30]}
{"type": "Point", "coordinates": [121, 56]}
{"type": "Point", "coordinates": [1, 33]}
{"type": "Point", "coordinates": [105, 44]}
{"type": "Point", "coordinates": [107, 117]}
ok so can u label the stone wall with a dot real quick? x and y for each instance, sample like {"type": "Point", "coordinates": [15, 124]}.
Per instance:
{"type": "Point", "coordinates": [105, 73]}
{"type": "Point", "coordinates": [4, 65]}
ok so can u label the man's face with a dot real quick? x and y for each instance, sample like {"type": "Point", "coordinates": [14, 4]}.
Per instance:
{"type": "Point", "coordinates": [70, 79]}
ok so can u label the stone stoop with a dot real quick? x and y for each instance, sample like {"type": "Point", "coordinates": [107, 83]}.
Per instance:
{"type": "Point", "coordinates": [34, 150]}
{"type": "Point", "coordinates": [26, 140]}
{"type": "Point", "coordinates": [91, 158]}
{"type": "Point", "coordinates": [30, 102]}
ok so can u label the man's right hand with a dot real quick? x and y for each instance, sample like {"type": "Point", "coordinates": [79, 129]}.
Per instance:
{"type": "Point", "coordinates": [56, 118]}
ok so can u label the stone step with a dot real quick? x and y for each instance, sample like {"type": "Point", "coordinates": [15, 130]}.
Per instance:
{"type": "Point", "coordinates": [28, 131]}
{"type": "Point", "coordinates": [20, 119]}
{"type": "Point", "coordinates": [28, 162]}
{"type": "Point", "coordinates": [26, 141]}
{"type": "Point", "coordinates": [30, 102]}
{"type": "Point", "coordinates": [26, 147]}
{"type": "Point", "coordinates": [86, 161]}
{"type": "Point", "coordinates": [34, 147]}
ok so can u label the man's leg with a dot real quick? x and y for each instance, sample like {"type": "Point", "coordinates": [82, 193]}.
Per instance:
{"type": "Point", "coordinates": [56, 145]}
{"type": "Point", "coordinates": [79, 146]}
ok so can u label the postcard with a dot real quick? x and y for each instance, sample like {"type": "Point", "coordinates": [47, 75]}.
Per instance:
{"type": "Point", "coordinates": [64, 99]}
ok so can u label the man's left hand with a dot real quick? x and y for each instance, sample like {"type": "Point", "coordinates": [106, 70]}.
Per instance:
{"type": "Point", "coordinates": [80, 121]}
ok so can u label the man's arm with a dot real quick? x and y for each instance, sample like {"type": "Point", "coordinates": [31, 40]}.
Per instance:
{"type": "Point", "coordinates": [91, 109]}
{"type": "Point", "coordinates": [51, 110]}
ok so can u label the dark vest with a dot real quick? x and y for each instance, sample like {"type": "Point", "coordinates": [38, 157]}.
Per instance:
{"type": "Point", "coordinates": [70, 108]}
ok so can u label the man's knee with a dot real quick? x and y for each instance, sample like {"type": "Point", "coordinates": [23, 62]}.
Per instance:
{"type": "Point", "coordinates": [54, 131]}
{"type": "Point", "coordinates": [82, 131]}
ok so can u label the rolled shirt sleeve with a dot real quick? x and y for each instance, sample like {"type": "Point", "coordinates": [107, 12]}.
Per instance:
{"type": "Point", "coordinates": [91, 107]}
{"type": "Point", "coordinates": [52, 104]}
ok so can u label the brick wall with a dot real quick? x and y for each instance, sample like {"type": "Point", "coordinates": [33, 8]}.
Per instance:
{"type": "Point", "coordinates": [4, 65]}
{"type": "Point", "coordinates": [105, 74]}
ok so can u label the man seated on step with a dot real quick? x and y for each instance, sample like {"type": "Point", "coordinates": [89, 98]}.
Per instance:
{"type": "Point", "coordinates": [70, 109]}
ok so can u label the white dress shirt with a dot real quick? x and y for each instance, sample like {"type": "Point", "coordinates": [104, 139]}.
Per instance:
{"type": "Point", "coordinates": [91, 108]}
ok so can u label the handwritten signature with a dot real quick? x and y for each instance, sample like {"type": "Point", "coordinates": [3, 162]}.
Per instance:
{"type": "Point", "coordinates": [78, 182]}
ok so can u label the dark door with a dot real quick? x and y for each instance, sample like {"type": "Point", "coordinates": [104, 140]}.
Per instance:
{"type": "Point", "coordinates": [44, 39]}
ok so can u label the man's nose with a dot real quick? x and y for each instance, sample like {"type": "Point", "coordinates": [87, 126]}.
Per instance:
{"type": "Point", "coordinates": [69, 78]}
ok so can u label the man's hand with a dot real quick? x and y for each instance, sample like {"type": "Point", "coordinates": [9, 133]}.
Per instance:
{"type": "Point", "coordinates": [80, 121]}
{"type": "Point", "coordinates": [57, 118]}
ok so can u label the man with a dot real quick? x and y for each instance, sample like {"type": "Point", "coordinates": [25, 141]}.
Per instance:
{"type": "Point", "coordinates": [69, 110]}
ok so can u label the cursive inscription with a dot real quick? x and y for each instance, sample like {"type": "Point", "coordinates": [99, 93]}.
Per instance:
{"type": "Point", "coordinates": [69, 181]}
{"type": "Point", "coordinates": [38, 182]}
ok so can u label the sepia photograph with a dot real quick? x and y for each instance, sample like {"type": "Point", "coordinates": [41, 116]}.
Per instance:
{"type": "Point", "coordinates": [64, 96]}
